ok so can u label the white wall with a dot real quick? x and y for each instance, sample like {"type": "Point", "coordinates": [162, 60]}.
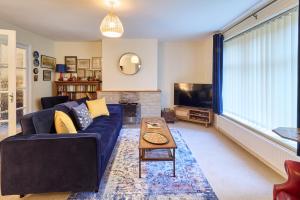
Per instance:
{"type": "Point", "coordinates": [83, 50]}
{"type": "Point", "coordinates": [45, 47]}
{"type": "Point", "coordinates": [145, 79]}
{"type": "Point", "coordinates": [183, 61]}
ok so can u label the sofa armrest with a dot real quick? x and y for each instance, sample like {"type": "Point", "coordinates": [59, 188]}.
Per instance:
{"type": "Point", "coordinates": [50, 163]}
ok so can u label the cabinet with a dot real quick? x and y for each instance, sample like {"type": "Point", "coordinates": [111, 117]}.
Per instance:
{"type": "Point", "coordinates": [197, 115]}
{"type": "Point", "coordinates": [77, 89]}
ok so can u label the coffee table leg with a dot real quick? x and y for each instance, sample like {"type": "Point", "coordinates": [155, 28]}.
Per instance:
{"type": "Point", "coordinates": [140, 163]}
{"type": "Point", "coordinates": [174, 162]}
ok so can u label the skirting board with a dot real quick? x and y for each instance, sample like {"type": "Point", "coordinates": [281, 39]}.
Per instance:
{"type": "Point", "coordinates": [266, 150]}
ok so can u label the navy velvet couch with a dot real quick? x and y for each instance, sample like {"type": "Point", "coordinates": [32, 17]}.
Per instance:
{"type": "Point", "coordinates": [38, 160]}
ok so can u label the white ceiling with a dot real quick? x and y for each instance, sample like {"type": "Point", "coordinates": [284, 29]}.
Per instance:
{"type": "Point", "coordinates": [74, 20]}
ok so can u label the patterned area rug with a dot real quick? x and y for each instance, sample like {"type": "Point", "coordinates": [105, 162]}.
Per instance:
{"type": "Point", "coordinates": [121, 179]}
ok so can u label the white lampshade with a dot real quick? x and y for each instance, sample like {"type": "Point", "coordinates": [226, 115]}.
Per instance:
{"type": "Point", "coordinates": [111, 26]}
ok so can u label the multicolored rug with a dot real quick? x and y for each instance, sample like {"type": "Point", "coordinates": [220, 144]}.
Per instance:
{"type": "Point", "coordinates": [121, 179]}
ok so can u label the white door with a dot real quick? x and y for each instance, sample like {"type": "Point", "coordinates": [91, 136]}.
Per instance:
{"type": "Point", "coordinates": [7, 83]}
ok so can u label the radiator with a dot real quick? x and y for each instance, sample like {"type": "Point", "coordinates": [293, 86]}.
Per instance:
{"type": "Point", "coordinates": [266, 150]}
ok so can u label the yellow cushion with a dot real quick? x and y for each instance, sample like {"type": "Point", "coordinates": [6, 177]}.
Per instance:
{"type": "Point", "coordinates": [97, 107]}
{"type": "Point", "coordinates": [63, 123]}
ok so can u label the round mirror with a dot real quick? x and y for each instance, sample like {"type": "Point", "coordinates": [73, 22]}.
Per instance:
{"type": "Point", "coordinates": [130, 63]}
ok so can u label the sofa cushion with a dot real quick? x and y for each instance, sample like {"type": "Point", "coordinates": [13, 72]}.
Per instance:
{"type": "Point", "coordinates": [107, 127]}
{"type": "Point", "coordinates": [50, 102]}
{"type": "Point", "coordinates": [98, 107]}
{"type": "Point", "coordinates": [82, 100]}
{"type": "Point", "coordinates": [27, 124]}
{"type": "Point", "coordinates": [43, 121]}
{"type": "Point", "coordinates": [82, 116]}
{"type": "Point", "coordinates": [67, 108]}
{"type": "Point", "coordinates": [63, 123]}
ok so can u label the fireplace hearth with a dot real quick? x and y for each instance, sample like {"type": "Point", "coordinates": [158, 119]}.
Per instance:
{"type": "Point", "coordinates": [131, 113]}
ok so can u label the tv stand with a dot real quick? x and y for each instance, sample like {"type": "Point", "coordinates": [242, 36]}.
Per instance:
{"type": "Point", "coordinates": [198, 115]}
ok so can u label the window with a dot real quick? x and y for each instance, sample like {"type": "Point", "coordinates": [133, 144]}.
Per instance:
{"type": "Point", "coordinates": [260, 74]}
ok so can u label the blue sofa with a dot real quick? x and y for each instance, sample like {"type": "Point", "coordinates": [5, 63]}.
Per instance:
{"type": "Point", "coordinates": [38, 160]}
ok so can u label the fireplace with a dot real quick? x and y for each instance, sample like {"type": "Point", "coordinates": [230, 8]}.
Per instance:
{"type": "Point", "coordinates": [131, 113]}
{"type": "Point", "coordinates": [143, 103]}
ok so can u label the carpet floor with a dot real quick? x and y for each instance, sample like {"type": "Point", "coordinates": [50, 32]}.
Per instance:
{"type": "Point", "coordinates": [121, 179]}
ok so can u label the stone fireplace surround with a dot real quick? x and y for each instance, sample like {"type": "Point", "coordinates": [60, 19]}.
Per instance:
{"type": "Point", "coordinates": [149, 100]}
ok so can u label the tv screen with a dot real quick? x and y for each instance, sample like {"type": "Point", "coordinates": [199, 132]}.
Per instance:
{"type": "Point", "coordinates": [194, 95]}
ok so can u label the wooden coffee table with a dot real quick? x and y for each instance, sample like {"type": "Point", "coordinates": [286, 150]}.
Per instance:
{"type": "Point", "coordinates": [145, 146]}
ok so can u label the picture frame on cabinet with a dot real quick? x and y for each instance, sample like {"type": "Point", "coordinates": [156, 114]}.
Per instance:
{"type": "Point", "coordinates": [80, 73]}
{"type": "Point", "coordinates": [97, 75]}
{"type": "Point", "coordinates": [89, 73]}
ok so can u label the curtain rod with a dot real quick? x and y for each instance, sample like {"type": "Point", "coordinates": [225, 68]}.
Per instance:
{"type": "Point", "coordinates": [252, 14]}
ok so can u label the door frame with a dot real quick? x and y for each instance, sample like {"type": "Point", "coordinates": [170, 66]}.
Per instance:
{"type": "Point", "coordinates": [28, 73]}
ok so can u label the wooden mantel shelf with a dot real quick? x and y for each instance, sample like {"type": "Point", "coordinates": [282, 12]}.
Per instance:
{"type": "Point", "coordinates": [130, 91]}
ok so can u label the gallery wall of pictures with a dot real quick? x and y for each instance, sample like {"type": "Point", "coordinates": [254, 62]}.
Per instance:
{"type": "Point", "coordinates": [86, 69]}
{"type": "Point", "coordinates": [81, 69]}
{"type": "Point", "coordinates": [46, 63]}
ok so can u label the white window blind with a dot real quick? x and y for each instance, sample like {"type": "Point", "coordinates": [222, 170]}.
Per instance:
{"type": "Point", "coordinates": [260, 74]}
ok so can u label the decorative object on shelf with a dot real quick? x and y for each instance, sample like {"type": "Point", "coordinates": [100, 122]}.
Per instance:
{"type": "Point", "coordinates": [80, 73]}
{"type": "Point", "coordinates": [130, 63]}
{"type": "Point", "coordinates": [36, 62]}
{"type": "Point", "coordinates": [35, 77]}
{"type": "Point", "coordinates": [83, 63]}
{"type": "Point", "coordinates": [96, 62]}
{"type": "Point", "coordinates": [169, 115]}
{"type": "Point", "coordinates": [97, 75]}
{"type": "Point", "coordinates": [72, 78]}
{"type": "Point", "coordinates": [111, 26]}
{"type": "Point", "coordinates": [46, 75]}
{"type": "Point", "coordinates": [36, 70]}
{"type": "Point", "coordinates": [61, 68]}
{"type": "Point", "coordinates": [71, 63]}
{"type": "Point", "coordinates": [48, 62]}
{"type": "Point", "coordinates": [36, 54]}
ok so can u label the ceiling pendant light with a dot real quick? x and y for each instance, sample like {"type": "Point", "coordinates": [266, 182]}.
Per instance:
{"type": "Point", "coordinates": [111, 26]}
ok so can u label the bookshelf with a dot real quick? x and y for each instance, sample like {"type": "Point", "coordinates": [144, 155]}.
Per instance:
{"type": "Point", "coordinates": [197, 115]}
{"type": "Point", "coordinates": [77, 89]}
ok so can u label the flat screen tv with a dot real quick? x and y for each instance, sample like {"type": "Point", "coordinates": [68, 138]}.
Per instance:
{"type": "Point", "coordinates": [194, 95]}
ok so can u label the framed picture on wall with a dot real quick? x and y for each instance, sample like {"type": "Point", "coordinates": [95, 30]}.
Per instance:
{"type": "Point", "coordinates": [83, 63]}
{"type": "Point", "coordinates": [48, 62]}
{"type": "Point", "coordinates": [71, 63]}
{"type": "Point", "coordinates": [96, 62]}
{"type": "Point", "coordinates": [46, 75]}
{"type": "Point", "coordinates": [35, 77]}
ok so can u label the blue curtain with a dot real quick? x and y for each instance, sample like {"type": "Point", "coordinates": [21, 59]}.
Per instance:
{"type": "Point", "coordinates": [217, 73]}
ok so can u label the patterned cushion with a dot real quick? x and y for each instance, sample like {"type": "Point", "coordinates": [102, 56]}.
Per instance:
{"type": "Point", "coordinates": [82, 116]}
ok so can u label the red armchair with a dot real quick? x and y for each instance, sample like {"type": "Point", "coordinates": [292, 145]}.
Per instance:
{"type": "Point", "coordinates": [290, 190]}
